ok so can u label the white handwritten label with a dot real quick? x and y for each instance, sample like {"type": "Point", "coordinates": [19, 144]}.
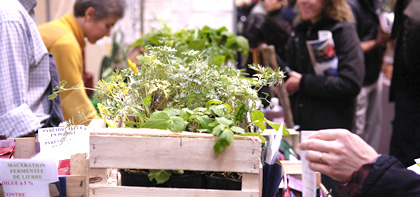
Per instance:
{"type": "Point", "coordinates": [62, 142]}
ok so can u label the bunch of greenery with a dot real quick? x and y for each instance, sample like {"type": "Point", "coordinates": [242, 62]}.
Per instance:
{"type": "Point", "coordinates": [195, 95]}
{"type": "Point", "coordinates": [218, 44]}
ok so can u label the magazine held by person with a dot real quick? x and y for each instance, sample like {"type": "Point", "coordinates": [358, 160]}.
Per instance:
{"type": "Point", "coordinates": [322, 54]}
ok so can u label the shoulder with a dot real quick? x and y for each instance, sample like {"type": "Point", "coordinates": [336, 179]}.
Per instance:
{"type": "Point", "coordinates": [12, 11]}
{"type": "Point", "coordinates": [343, 27]}
{"type": "Point", "coordinates": [55, 36]}
{"type": "Point", "coordinates": [354, 3]}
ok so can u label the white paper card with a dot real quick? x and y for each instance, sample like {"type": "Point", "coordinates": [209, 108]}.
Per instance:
{"type": "Point", "coordinates": [62, 142]}
{"type": "Point", "coordinates": [27, 177]}
{"type": "Point", "coordinates": [308, 176]}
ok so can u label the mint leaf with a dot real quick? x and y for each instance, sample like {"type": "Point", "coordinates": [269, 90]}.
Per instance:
{"type": "Point", "coordinates": [178, 124]}
{"type": "Point", "coordinates": [224, 140]}
{"type": "Point", "coordinates": [212, 102]}
{"type": "Point", "coordinates": [172, 111]}
{"type": "Point", "coordinates": [257, 118]}
{"type": "Point", "coordinates": [224, 121]}
{"type": "Point", "coordinates": [275, 125]}
{"type": "Point", "coordinates": [158, 120]}
{"type": "Point", "coordinates": [238, 130]}
{"type": "Point", "coordinates": [161, 176]}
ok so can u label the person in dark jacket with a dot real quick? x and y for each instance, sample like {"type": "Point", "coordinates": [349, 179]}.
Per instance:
{"type": "Point", "coordinates": [368, 117]}
{"type": "Point", "coordinates": [325, 100]}
{"type": "Point", "coordinates": [405, 83]}
{"type": "Point", "coordinates": [346, 157]}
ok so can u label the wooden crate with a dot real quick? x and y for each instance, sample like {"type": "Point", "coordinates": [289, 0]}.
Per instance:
{"type": "Point", "coordinates": [161, 149]}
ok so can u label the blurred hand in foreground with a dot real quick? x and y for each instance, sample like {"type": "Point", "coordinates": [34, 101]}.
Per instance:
{"type": "Point", "coordinates": [337, 153]}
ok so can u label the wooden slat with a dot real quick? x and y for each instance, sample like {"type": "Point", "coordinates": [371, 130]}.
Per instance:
{"type": "Point", "coordinates": [292, 167]}
{"type": "Point", "coordinates": [104, 191]}
{"type": "Point", "coordinates": [99, 175]}
{"type": "Point", "coordinates": [78, 164]}
{"type": "Point", "coordinates": [25, 147]}
{"type": "Point", "coordinates": [252, 182]}
{"type": "Point", "coordinates": [76, 186]}
{"type": "Point", "coordinates": [173, 153]}
{"type": "Point", "coordinates": [156, 133]}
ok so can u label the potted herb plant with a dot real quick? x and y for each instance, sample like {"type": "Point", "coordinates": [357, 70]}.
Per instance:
{"type": "Point", "coordinates": [187, 91]}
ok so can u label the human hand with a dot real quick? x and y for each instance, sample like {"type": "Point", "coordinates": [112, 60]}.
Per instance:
{"type": "Point", "coordinates": [382, 37]}
{"type": "Point", "coordinates": [337, 153]}
{"type": "Point", "coordinates": [292, 84]}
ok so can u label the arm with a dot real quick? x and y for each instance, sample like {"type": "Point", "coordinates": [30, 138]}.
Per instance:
{"type": "Point", "coordinates": [16, 117]}
{"type": "Point", "coordinates": [380, 41]}
{"type": "Point", "coordinates": [344, 153]}
{"type": "Point", "coordinates": [68, 57]}
{"type": "Point", "coordinates": [388, 177]}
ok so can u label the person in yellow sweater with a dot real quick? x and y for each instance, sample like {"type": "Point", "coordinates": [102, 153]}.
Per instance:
{"type": "Point", "coordinates": [65, 39]}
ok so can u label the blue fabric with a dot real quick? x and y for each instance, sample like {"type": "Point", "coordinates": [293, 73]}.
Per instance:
{"type": "Point", "coordinates": [271, 179]}
{"type": "Point", "coordinates": [56, 113]}
{"type": "Point", "coordinates": [61, 185]}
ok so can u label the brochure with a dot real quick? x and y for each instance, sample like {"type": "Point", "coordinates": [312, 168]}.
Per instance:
{"type": "Point", "coordinates": [322, 54]}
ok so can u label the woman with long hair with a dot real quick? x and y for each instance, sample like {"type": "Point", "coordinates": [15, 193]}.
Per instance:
{"type": "Point", "coordinates": [324, 100]}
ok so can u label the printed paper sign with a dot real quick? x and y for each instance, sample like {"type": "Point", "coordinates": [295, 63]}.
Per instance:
{"type": "Point", "coordinates": [27, 177]}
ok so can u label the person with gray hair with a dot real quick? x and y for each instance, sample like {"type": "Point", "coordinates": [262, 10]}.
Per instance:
{"type": "Point", "coordinates": [65, 39]}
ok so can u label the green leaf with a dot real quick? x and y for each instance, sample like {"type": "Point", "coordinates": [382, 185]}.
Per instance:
{"type": "Point", "coordinates": [285, 131]}
{"type": "Point", "coordinates": [275, 125]}
{"type": "Point", "coordinates": [172, 111]}
{"type": "Point", "coordinates": [185, 114]}
{"type": "Point", "coordinates": [263, 140]}
{"type": "Point", "coordinates": [223, 141]}
{"type": "Point", "coordinates": [217, 110]}
{"type": "Point", "coordinates": [178, 124]}
{"type": "Point", "coordinates": [147, 101]}
{"type": "Point", "coordinates": [212, 102]}
{"type": "Point", "coordinates": [219, 60]}
{"type": "Point", "coordinates": [198, 45]}
{"type": "Point", "coordinates": [228, 107]}
{"type": "Point", "coordinates": [161, 176]}
{"type": "Point", "coordinates": [135, 112]}
{"type": "Point", "coordinates": [257, 118]}
{"type": "Point", "coordinates": [240, 112]}
{"type": "Point", "coordinates": [204, 122]}
{"type": "Point", "coordinates": [218, 130]}
{"type": "Point", "coordinates": [178, 171]}
{"type": "Point", "coordinates": [224, 121]}
{"type": "Point", "coordinates": [141, 59]}
{"type": "Point", "coordinates": [243, 45]}
{"type": "Point", "coordinates": [158, 120]}
{"type": "Point", "coordinates": [238, 130]}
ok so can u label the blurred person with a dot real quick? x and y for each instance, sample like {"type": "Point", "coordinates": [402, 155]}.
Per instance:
{"type": "Point", "coordinates": [28, 73]}
{"type": "Point", "coordinates": [368, 118]}
{"type": "Point", "coordinates": [65, 39]}
{"type": "Point", "coordinates": [344, 156]}
{"type": "Point", "coordinates": [324, 101]}
{"type": "Point", "coordinates": [281, 10]}
{"type": "Point", "coordinates": [269, 28]}
{"type": "Point", "coordinates": [260, 29]}
{"type": "Point", "coordinates": [405, 82]}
